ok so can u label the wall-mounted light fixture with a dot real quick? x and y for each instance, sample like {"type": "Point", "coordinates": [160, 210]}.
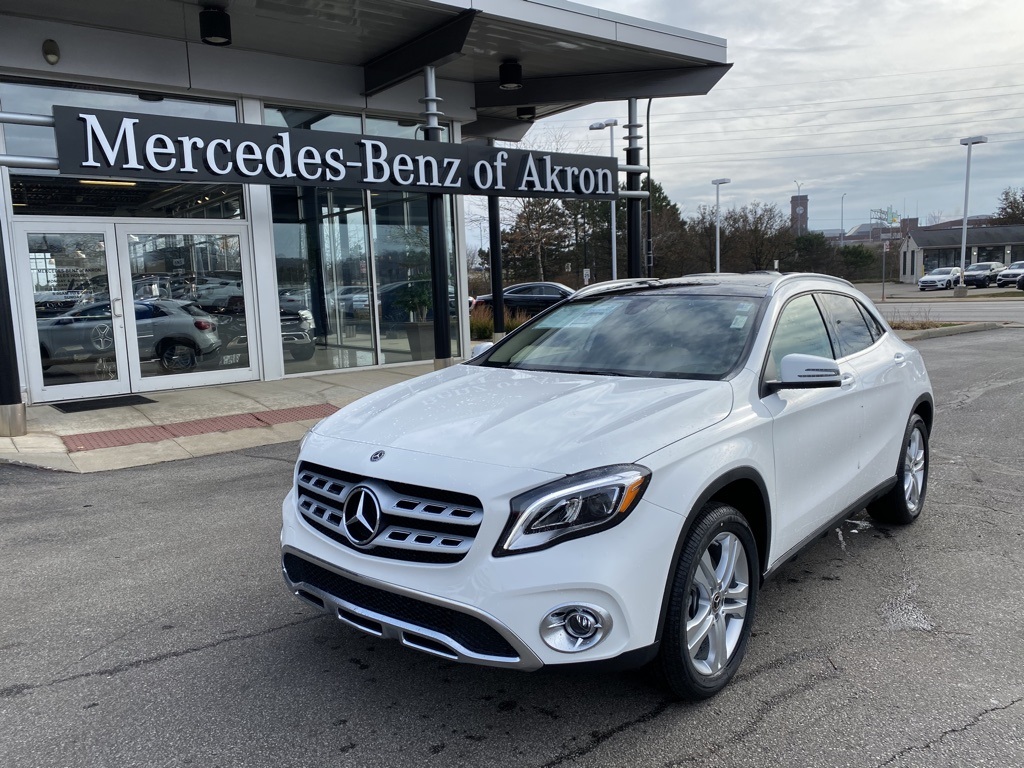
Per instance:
{"type": "Point", "coordinates": [215, 26]}
{"type": "Point", "coordinates": [510, 75]}
{"type": "Point", "coordinates": [51, 52]}
{"type": "Point", "coordinates": [526, 113]}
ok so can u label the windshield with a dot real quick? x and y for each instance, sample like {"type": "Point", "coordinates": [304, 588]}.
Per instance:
{"type": "Point", "coordinates": [1017, 265]}
{"type": "Point", "coordinates": [942, 271]}
{"type": "Point", "coordinates": [979, 268]}
{"type": "Point", "coordinates": [663, 334]}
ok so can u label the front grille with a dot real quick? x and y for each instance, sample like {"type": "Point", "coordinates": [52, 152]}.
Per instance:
{"type": "Point", "coordinates": [417, 524]}
{"type": "Point", "coordinates": [468, 631]}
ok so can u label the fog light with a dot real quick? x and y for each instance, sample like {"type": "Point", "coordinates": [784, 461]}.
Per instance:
{"type": "Point", "coordinates": [575, 627]}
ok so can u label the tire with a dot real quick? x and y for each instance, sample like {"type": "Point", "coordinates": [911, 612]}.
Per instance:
{"type": "Point", "coordinates": [985, 283]}
{"type": "Point", "coordinates": [177, 357]}
{"type": "Point", "coordinates": [706, 583]}
{"type": "Point", "coordinates": [948, 285]}
{"type": "Point", "coordinates": [902, 505]}
{"type": "Point", "coordinates": [303, 352]}
{"type": "Point", "coordinates": [921, 288]}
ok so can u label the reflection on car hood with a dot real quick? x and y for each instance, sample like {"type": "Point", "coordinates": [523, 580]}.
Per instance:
{"type": "Point", "coordinates": [550, 421]}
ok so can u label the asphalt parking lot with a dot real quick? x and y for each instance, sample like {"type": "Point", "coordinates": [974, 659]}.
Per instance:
{"type": "Point", "coordinates": [146, 624]}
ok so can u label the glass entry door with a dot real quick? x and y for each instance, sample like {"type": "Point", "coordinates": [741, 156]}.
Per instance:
{"type": "Point", "coordinates": [132, 308]}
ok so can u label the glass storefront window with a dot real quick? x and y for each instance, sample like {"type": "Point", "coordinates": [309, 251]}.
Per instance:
{"type": "Point", "coordinates": [401, 249]}
{"type": "Point", "coordinates": [37, 99]}
{"type": "Point", "coordinates": [311, 119]}
{"type": "Point", "coordinates": [323, 270]}
{"type": "Point", "coordinates": [45, 193]}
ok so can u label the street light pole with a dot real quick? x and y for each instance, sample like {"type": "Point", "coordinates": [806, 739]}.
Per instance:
{"type": "Point", "coordinates": [969, 142]}
{"type": "Point", "coordinates": [842, 222]}
{"type": "Point", "coordinates": [610, 124]}
{"type": "Point", "coordinates": [718, 224]}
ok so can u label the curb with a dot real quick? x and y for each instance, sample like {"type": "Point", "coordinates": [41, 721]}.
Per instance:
{"type": "Point", "coordinates": [948, 330]}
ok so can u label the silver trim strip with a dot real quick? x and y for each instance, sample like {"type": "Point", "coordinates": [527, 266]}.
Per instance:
{"type": "Point", "coordinates": [404, 632]}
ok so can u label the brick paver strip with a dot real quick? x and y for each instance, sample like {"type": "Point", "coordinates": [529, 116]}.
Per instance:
{"type": "Point", "coordinates": [113, 438]}
{"type": "Point", "coordinates": [302, 413]}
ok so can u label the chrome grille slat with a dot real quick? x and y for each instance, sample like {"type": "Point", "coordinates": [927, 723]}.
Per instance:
{"type": "Point", "coordinates": [417, 526]}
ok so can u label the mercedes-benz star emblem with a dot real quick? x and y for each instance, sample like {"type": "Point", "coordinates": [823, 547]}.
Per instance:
{"type": "Point", "coordinates": [361, 519]}
{"type": "Point", "coordinates": [377, 456]}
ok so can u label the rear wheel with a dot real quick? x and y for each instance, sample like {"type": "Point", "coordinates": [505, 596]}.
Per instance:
{"type": "Point", "coordinates": [711, 604]}
{"type": "Point", "coordinates": [177, 357]}
{"type": "Point", "coordinates": [902, 504]}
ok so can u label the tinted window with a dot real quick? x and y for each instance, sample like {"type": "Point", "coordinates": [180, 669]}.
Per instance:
{"type": "Point", "coordinates": [800, 330]}
{"type": "Point", "coordinates": [851, 332]}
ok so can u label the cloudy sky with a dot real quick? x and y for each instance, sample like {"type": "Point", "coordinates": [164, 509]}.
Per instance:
{"type": "Point", "coordinates": [858, 97]}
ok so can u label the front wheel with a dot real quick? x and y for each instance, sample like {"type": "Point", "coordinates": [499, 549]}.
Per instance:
{"type": "Point", "coordinates": [948, 285]}
{"type": "Point", "coordinates": [711, 604]}
{"type": "Point", "coordinates": [902, 504]}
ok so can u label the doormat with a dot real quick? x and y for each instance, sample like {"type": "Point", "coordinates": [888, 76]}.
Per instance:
{"type": "Point", "coordinates": [80, 406]}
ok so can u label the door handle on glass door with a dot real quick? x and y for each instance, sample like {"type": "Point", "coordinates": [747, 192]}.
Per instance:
{"type": "Point", "coordinates": [117, 308]}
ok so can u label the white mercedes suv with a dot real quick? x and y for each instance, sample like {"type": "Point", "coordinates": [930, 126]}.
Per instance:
{"type": "Point", "coordinates": [613, 481]}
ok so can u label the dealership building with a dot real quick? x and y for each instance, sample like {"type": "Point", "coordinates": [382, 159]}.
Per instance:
{"type": "Point", "coordinates": [197, 193]}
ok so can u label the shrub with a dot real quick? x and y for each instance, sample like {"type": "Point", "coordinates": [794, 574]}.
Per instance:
{"type": "Point", "coordinates": [481, 322]}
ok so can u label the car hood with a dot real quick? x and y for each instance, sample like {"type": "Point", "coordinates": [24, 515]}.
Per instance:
{"type": "Point", "coordinates": [550, 421]}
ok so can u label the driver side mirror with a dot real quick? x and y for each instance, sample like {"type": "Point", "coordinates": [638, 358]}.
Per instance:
{"type": "Point", "coordinates": [806, 372]}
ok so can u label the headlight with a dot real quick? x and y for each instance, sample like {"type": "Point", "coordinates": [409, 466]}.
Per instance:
{"type": "Point", "coordinates": [574, 506]}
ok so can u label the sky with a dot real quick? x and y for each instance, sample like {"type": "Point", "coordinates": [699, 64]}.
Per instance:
{"type": "Point", "coordinates": [851, 97]}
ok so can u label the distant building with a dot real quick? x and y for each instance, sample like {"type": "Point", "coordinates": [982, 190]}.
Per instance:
{"type": "Point", "coordinates": [798, 214]}
{"type": "Point", "coordinates": [926, 248]}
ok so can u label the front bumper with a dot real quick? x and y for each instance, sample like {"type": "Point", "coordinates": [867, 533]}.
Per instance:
{"type": "Point", "coordinates": [483, 609]}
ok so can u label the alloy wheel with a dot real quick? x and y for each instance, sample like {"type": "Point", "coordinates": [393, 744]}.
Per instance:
{"type": "Point", "coordinates": [717, 604]}
{"type": "Point", "coordinates": [913, 470]}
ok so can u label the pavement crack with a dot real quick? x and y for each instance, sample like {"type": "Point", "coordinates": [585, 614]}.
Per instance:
{"type": "Point", "coordinates": [975, 720]}
{"type": "Point", "coordinates": [20, 688]}
{"type": "Point", "coordinates": [597, 738]}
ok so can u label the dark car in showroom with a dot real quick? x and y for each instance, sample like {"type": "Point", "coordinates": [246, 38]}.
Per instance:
{"type": "Point", "coordinates": [983, 274]}
{"type": "Point", "coordinates": [529, 297]}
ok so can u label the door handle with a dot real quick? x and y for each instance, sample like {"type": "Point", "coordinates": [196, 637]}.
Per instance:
{"type": "Point", "coordinates": [899, 358]}
{"type": "Point", "coordinates": [117, 308]}
{"type": "Point", "coordinates": [847, 380]}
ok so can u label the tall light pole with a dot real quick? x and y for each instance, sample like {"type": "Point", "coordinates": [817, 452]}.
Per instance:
{"type": "Point", "coordinates": [718, 224]}
{"type": "Point", "coordinates": [969, 142]}
{"type": "Point", "coordinates": [842, 222]}
{"type": "Point", "coordinates": [610, 124]}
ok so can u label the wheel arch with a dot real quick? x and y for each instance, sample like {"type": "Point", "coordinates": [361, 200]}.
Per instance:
{"type": "Point", "coordinates": [742, 488]}
{"type": "Point", "coordinates": [925, 408]}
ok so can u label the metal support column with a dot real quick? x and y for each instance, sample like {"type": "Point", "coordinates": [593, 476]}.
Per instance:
{"type": "Point", "coordinates": [12, 409]}
{"type": "Point", "coordinates": [634, 230]}
{"type": "Point", "coordinates": [438, 236]}
{"type": "Point", "coordinates": [497, 283]}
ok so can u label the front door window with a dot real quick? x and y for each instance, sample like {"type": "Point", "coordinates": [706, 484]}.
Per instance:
{"type": "Point", "coordinates": [79, 336]}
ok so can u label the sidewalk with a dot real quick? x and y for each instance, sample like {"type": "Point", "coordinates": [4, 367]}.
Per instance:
{"type": "Point", "coordinates": [185, 424]}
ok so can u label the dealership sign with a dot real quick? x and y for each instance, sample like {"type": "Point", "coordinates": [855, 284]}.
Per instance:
{"type": "Point", "coordinates": [104, 144]}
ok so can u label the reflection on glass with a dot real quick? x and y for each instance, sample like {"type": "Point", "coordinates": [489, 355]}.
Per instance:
{"type": "Point", "coordinates": [401, 248]}
{"type": "Point", "coordinates": [39, 99]}
{"type": "Point", "coordinates": [190, 312]}
{"type": "Point", "coordinates": [323, 276]}
{"type": "Point", "coordinates": [77, 337]}
{"type": "Point", "coordinates": [311, 119]}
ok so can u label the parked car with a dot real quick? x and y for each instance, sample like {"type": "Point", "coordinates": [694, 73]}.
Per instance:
{"type": "Point", "coordinates": [943, 277]}
{"type": "Point", "coordinates": [614, 479]}
{"type": "Point", "coordinates": [174, 332]}
{"type": "Point", "coordinates": [983, 274]}
{"type": "Point", "coordinates": [1010, 275]}
{"type": "Point", "coordinates": [529, 297]}
{"type": "Point", "coordinates": [297, 327]}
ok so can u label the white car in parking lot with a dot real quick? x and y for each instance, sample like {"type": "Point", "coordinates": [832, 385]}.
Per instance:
{"type": "Point", "coordinates": [613, 480]}
{"type": "Point", "coordinates": [943, 277]}
{"type": "Point", "coordinates": [1010, 275]}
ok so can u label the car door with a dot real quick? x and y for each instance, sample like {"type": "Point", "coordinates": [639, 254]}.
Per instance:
{"type": "Point", "coordinates": [816, 433]}
{"type": "Point", "coordinates": [864, 344]}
